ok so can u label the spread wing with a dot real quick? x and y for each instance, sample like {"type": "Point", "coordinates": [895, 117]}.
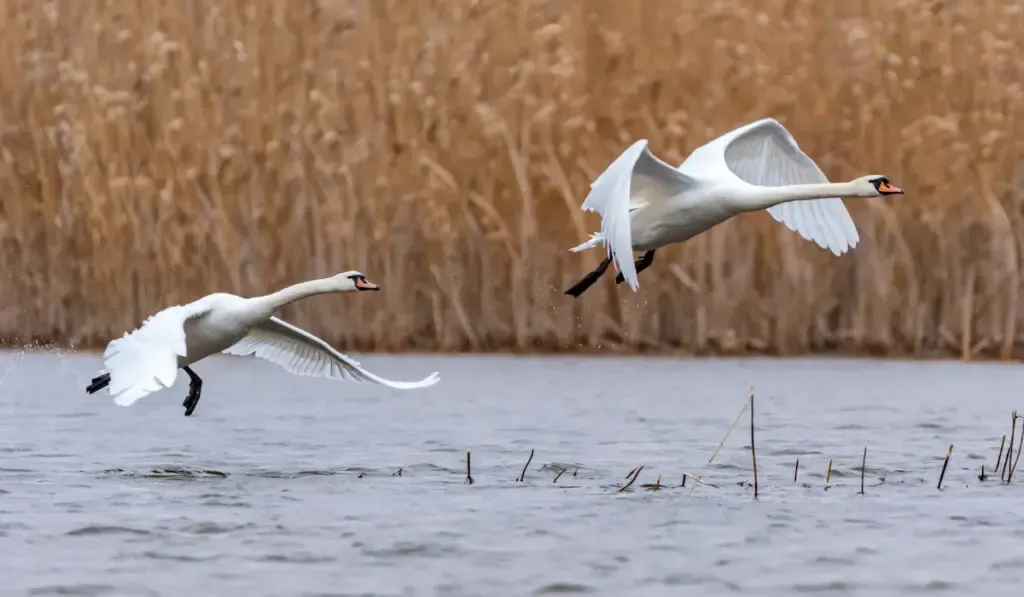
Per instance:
{"type": "Point", "coordinates": [302, 353]}
{"type": "Point", "coordinates": [635, 179]}
{"type": "Point", "coordinates": [764, 153]}
{"type": "Point", "coordinates": [145, 360]}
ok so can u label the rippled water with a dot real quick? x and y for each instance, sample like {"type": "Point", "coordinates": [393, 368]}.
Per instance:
{"type": "Point", "coordinates": [289, 486]}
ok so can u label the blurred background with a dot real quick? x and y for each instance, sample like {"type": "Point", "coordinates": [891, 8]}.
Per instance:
{"type": "Point", "coordinates": [151, 153]}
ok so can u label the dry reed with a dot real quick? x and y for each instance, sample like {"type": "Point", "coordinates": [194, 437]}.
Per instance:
{"type": "Point", "coordinates": [153, 153]}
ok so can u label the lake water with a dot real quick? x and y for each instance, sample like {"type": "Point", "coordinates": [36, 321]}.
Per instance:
{"type": "Point", "coordinates": [280, 485]}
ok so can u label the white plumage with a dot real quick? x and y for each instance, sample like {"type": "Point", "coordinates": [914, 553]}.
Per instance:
{"type": "Point", "coordinates": [301, 353]}
{"type": "Point", "coordinates": [645, 203]}
{"type": "Point", "coordinates": [148, 359]}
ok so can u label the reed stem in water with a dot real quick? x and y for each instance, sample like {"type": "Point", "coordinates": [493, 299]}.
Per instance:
{"type": "Point", "coordinates": [522, 476]}
{"type": "Point", "coordinates": [863, 465]}
{"type": "Point", "coordinates": [999, 458]}
{"type": "Point", "coordinates": [636, 473]}
{"type": "Point", "coordinates": [945, 463]}
{"type": "Point", "coordinates": [1009, 449]}
{"type": "Point", "coordinates": [753, 449]}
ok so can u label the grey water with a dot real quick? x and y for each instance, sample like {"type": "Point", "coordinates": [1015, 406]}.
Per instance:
{"type": "Point", "coordinates": [283, 485]}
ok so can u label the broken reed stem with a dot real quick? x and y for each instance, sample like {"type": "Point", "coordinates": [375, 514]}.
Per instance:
{"type": "Point", "coordinates": [522, 476]}
{"type": "Point", "coordinates": [469, 469]}
{"type": "Point", "coordinates": [753, 450]}
{"type": "Point", "coordinates": [683, 484]}
{"type": "Point", "coordinates": [575, 470]}
{"type": "Point", "coordinates": [863, 465]}
{"type": "Point", "coordinates": [1020, 444]}
{"type": "Point", "coordinates": [796, 469]}
{"type": "Point", "coordinates": [555, 480]}
{"type": "Point", "coordinates": [828, 472]}
{"type": "Point", "coordinates": [999, 458]}
{"type": "Point", "coordinates": [657, 482]}
{"type": "Point", "coordinates": [631, 471]}
{"type": "Point", "coordinates": [724, 437]}
{"type": "Point", "coordinates": [944, 465]}
{"type": "Point", "coordinates": [636, 473]}
{"type": "Point", "coordinates": [698, 480]}
{"type": "Point", "coordinates": [981, 477]}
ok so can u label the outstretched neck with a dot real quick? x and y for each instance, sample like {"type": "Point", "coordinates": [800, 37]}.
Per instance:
{"type": "Point", "coordinates": [758, 198]}
{"type": "Point", "coordinates": [268, 304]}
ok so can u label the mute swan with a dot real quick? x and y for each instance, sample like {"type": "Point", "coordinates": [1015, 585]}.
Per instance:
{"type": "Point", "coordinates": [645, 204]}
{"type": "Point", "coordinates": [147, 359]}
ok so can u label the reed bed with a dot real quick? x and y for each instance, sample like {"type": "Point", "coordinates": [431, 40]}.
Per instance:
{"type": "Point", "coordinates": [154, 152]}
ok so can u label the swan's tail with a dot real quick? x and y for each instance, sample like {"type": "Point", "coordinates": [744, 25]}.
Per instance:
{"type": "Point", "coordinates": [596, 240]}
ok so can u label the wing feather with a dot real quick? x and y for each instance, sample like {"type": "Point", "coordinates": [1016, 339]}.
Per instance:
{"type": "Point", "coordinates": [145, 360]}
{"type": "Point", "coordinates": [764, 153]}
{"type": "Point", "coordinates": [636, 178]}
{"type": "Point", "coordinates": [301, 353]}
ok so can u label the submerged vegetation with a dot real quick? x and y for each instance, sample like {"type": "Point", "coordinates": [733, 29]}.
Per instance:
{"type": "Point", "coordinates": [152, 153]}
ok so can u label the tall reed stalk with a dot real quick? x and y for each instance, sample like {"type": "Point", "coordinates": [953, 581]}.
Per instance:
{"type": "Point", "coordinates": [154, 152]}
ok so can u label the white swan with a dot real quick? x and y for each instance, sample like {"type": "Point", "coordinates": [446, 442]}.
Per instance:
{"type": "Point", "coordinates": [147, 359]}
{"type": "Point", "coordinates": [645, 204]}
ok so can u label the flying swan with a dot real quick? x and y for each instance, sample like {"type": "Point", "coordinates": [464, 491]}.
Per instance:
{"type": "Point", "coordinates": [646, 204]}
{"type": "Point", "coordinates": [147, 359]}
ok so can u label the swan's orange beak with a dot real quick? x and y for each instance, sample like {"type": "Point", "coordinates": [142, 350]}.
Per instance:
{"type": "Point", "coordinates": [887, 189]}
{"type": "Point", "coordinates": [364, 284]}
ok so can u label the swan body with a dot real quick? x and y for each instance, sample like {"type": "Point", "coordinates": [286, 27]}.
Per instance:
{"type": "Point", "coordinates": [646, 204]}
{"type": "Point", "coordinates": [148, 359]}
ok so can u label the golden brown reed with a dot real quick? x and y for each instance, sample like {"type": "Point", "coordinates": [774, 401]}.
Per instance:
{"type": "Point", "coordinates": [155, 152]}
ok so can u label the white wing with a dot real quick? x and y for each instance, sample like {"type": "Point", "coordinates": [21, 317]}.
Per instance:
{"type": "Point", "coordinates": [635, 179]}
{"type": "Point", "coordinates": [302, 353]}
{"type": "Point", "coordinates": [146, 359]}
{"type": "Point", "coordinates": [764, 153]}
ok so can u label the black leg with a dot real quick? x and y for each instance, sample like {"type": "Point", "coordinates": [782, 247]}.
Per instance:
{"type": "Point", "coordinates": [98, 383]}
{"type": "Point", "coordinates": [589, 279]}
{"type": "Point", "coordinates": [195, 387]}
{"type": "Point", "coordinates": [641, 264]}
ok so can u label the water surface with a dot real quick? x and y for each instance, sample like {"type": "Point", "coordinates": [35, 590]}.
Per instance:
{"type": "Point", "coordinates": [280, 485]}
